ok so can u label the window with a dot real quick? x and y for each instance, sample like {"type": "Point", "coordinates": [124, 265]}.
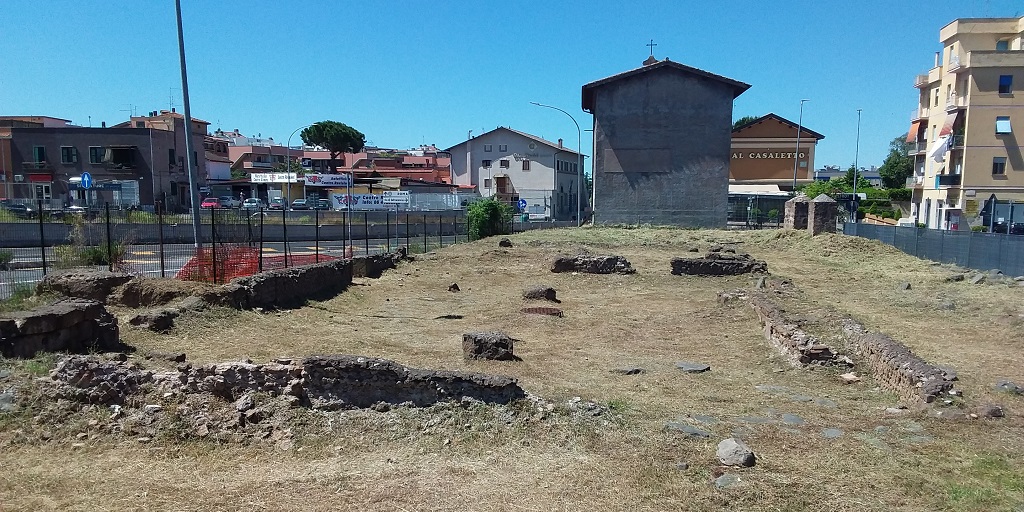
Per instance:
{"type": "Point", "coordinates": [95, 154]}
{"type": "Point", "coordinates": [486, 163]}
{"type": "Point", "coordinates": [1002, 125]}
{"type": "Point", "coordinates": [936, 96]}
{"type": "Point", "coordinates": [487, 148]}
{"type": "Point", "coordinates": [504, 164]}
{"type": "Point", "coordinates": [503, 147]}
{"type": "Point", "coordinates": [1005, 84]}
{"type": "Point", "coordinates": [140, 124]}
{"type": "Point", "coordinates": [999, 165]}
{"type": "Point", "coordinates": [68, 155]}
{"type": "Point", "coordinates": [39, 153]}
{"type": "Point", "coordinates": [487, 183]}
{"type": "Point", "coordinates": [526, 165]}
{"type": "Point", "coordinates": [1002, 46]}
{"type": "Point", "coordinates": [170, 156]}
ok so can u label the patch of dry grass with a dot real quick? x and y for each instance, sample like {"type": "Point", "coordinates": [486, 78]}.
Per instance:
{"type": "Point", "coordinates": [650, 319]}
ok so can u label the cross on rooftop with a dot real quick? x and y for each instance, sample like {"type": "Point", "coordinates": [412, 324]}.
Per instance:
{"type": "Point", "coordinates": [651, 44]}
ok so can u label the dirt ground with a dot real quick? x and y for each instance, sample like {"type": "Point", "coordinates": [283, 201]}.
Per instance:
{"type": "Point", "coordinates": [841, 452]}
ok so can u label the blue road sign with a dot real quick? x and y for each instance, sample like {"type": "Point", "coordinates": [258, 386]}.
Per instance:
{"type": "Point", "coordinates": [522, 204]}
{"type": "Point", "coordinates": [86, 180]}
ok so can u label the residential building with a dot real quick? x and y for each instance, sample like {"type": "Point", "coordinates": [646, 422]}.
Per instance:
{"type": "Point", "coordinates": [965, 133]}
{"type": "Point", "coordinates": [831, 172]}
{"type": "Point", "coordinates": [662, 135]}
{"type": "Point", "coordinates": [45, 158]}
{"type": "Point", "coordinates": [511, 165]}
{"type": "Point", "coordinates": [764, 152]}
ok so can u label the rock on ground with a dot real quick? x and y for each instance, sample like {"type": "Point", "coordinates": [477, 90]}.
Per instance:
{"type": "Point", "coordinates": [734, 452]}
{"type": "Point", "coordinates": [593, 265]}
{"type": "Point", "coordinates": [540, 293]}
{"type": "Point", "coordinates": [488, 345]}
{"type": "Point", "coordinates": [693, 367]}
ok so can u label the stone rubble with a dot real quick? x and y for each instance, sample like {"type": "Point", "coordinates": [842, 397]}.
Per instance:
{"type": "Point", "coordinates": [593, 265]}
{"type": "Point", "coordinates": [715, 263]}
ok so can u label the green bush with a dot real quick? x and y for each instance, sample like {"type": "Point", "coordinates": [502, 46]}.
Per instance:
{"type": "Point", "coordinates": [773, 214]}
{"type": "Point", "coordinates": [979, 229]}
{"type": "Point", "coordinates": [488, 217]}
{"type": "Point", "coordinates": [900, 194]}
{"type": "Point", "coordinates": [6, 257]}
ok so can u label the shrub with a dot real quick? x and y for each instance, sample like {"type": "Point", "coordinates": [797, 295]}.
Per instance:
{"type": "Point", "coordinates": [900, 194]}
{"type": "Point", "coordinates": [978, 229]}
{"type": "Point", "coordinates": [488, 217]}
{"type": "Point", "coordinates": [773, 214]}
{"type": "Point", "coordinates": [6, 257]}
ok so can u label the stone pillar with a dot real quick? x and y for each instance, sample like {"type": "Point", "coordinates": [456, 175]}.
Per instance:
{"type": "Point", "coordinates": [796, 212]}
{"type": "Point", "coordinates": [822, 215]}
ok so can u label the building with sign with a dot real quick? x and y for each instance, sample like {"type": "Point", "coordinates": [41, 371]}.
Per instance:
{"type": "Point", "coordinates": [662, 145]}
{"type": "Point", "coordinates": [44, 159]}
{"type": "Point", "coordinates": [764, 152]}
{"type": "Point", "coordinates": [965, 134]}
{"type": "Point", "coordinates": [511, 165]}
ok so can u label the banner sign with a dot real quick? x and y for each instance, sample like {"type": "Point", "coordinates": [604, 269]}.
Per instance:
{"type": "Point", "coordinates": [359, 202]}
{"type": "Point", "coordinates": [328, 180]}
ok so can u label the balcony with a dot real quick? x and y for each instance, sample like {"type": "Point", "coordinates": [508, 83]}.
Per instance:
{"type": "Point", "coordinates": [992, 59]}
{"type": "Point", "coordinates": [919, 114]}
{"type": "Point", "coordinates": [948, 180]}
{"type": "Point", "coordinates": [921, 81]}
{"type": "Point", "coordinates": [37, 166]}
{"type": "Point", "coordinates": [916, 147]}
{"type": "Point", "coordinates": [954, 102]}
{"type": "Point", "coordinates": [258, 165]}
{"type": "Point", "coordinates": [955, 64]}
{"type": "Point", "coordinates": [957, 142]}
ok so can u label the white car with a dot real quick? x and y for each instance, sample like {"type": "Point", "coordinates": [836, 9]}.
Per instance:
{"type": "Point", "coordinates": [229, 202]}
{"type": "Point", "coordinates": [253, 203]}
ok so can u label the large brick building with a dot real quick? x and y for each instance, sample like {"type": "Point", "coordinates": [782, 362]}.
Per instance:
{"type": "Point", "coordinates": [662, 136]}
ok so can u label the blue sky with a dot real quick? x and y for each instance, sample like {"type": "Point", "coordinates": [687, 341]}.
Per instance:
{"type": "Point", "coordinates": [413, 72]}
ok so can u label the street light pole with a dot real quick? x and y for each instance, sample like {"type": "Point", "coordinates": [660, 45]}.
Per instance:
{"type": "Point", "coordinates": [288, 160]}
{"type": "Point", "coordinates": [189, 148]}
{"type": "Point", "coordinates": [796, 156]}
{"type": "Point", "coordinates": [856, 168]}
{"type": "Point", "coordinates": [579, 163]}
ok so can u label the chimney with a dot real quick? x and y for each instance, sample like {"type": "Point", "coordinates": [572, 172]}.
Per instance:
{"type": "Point", "coordinates": [103, 124]}
{"type": "Point", "coordinates": [559, 142]}
{"type": "Point", "coordinates": [172, 110]}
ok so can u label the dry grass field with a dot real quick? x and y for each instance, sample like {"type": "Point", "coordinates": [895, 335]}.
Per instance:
{"type": "Point", "coordinates": [477, 458]}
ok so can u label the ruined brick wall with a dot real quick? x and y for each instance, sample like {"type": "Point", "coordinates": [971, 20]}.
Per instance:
{"type": "Point", "coordinates": [896, 367]}
{"type": "Point", "coordinates": [70, 325]}
{"type": "Point", "coordinates": [795, 345]}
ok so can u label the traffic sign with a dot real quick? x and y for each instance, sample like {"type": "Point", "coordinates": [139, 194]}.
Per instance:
{"type": "Point", "coordinates": [86, 180]}
{"type": "Point", "coordinates": [396, 197]}
{"type": "Point", "coordinates": [522, 204]}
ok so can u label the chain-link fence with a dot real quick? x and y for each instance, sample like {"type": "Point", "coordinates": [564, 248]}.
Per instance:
{"type": "Point", "coordinates": [981, 251]}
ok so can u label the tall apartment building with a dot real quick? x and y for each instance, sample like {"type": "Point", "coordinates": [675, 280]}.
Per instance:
{"type": "Point", "coordinates": [967, 134]}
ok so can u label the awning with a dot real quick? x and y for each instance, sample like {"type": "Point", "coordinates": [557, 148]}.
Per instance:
{"type": "Point", "coordinates": [1003, 125]}
{"type": "Point", "coordinates": [759, 190]}
{"type": "Point", "coordinates": [947, 126]}
{"type": "Point", "coordinates": [912, 134]}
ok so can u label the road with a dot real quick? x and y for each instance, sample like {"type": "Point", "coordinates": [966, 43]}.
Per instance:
{"type": "Point", "coordinates": [144, 260]}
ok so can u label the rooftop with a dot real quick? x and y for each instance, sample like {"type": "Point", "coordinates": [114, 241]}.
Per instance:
{"type": "Point", "coordinates": [588, 95]}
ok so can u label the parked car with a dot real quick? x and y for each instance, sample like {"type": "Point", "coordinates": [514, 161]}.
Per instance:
{"type": "Point", "coordinates": [300, 204]}
{"type": "Point", "coordinates": [21, 211]}
{"type": "Point", "coordinates": [1017, 228]}
{"type": "Point", "coordinates": [229, 202]}
{"type": "Point", "coordinates": [210, 202]}
{"type": "Point", "coordinates": [276, 203]}
{"type": "Point", "coordinates": [253, 203]}
{"type": "Point", "coordinates": [321, 204]}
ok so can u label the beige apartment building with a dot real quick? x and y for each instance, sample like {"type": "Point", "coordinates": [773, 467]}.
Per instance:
{"type": "Point", "coordinates": [967, 134]}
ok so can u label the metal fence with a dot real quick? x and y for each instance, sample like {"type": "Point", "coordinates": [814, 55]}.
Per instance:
{"type": "Point", "coordinates": [981, 251]}
{"type": "Point", "coordinates": [754, 211]}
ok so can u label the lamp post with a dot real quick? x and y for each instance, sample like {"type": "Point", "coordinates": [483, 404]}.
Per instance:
{"type": "Point", "coordinates": [288, 161]}
{"type": "Point", "coordinates": [796, 156]}
{"type": "Point", "coordinates": [189, 148]}
{"type": "Point", "coordinates": [579, 163]}
{"type": "Point", "coordinates": [856, 157]}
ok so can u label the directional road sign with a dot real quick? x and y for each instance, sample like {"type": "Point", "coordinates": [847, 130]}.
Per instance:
{"type": "Point", "coordinates": [86, 180]}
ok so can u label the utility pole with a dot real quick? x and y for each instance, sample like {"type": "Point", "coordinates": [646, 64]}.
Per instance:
{"type": "Point", "coordinates": [796, 156]}
{"type": "Point", "coordinates": [189, 148]}
{"type": "Point", "coordinates": [856, 169]}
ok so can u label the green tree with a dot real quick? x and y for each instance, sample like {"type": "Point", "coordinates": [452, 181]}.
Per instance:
{"type": "Point", "coordinates": [897, 166]}
{"type": "Point", "coordinates": [488, 217]}
{"type": "Point", "coordinates": [742, 121]}
{"type": "Point", "coordinates": [847, 181]}
{"type": "Point", "coordinates": [335, 137]}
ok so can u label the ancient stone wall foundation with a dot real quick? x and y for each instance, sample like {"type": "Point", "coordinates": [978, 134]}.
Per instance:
{"type": "Point", "coordinates": [796, 346]}
{"type": "Point", "coordinates": [896, 367]}
{"type": "Point", "coordinates": [70, 325]}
